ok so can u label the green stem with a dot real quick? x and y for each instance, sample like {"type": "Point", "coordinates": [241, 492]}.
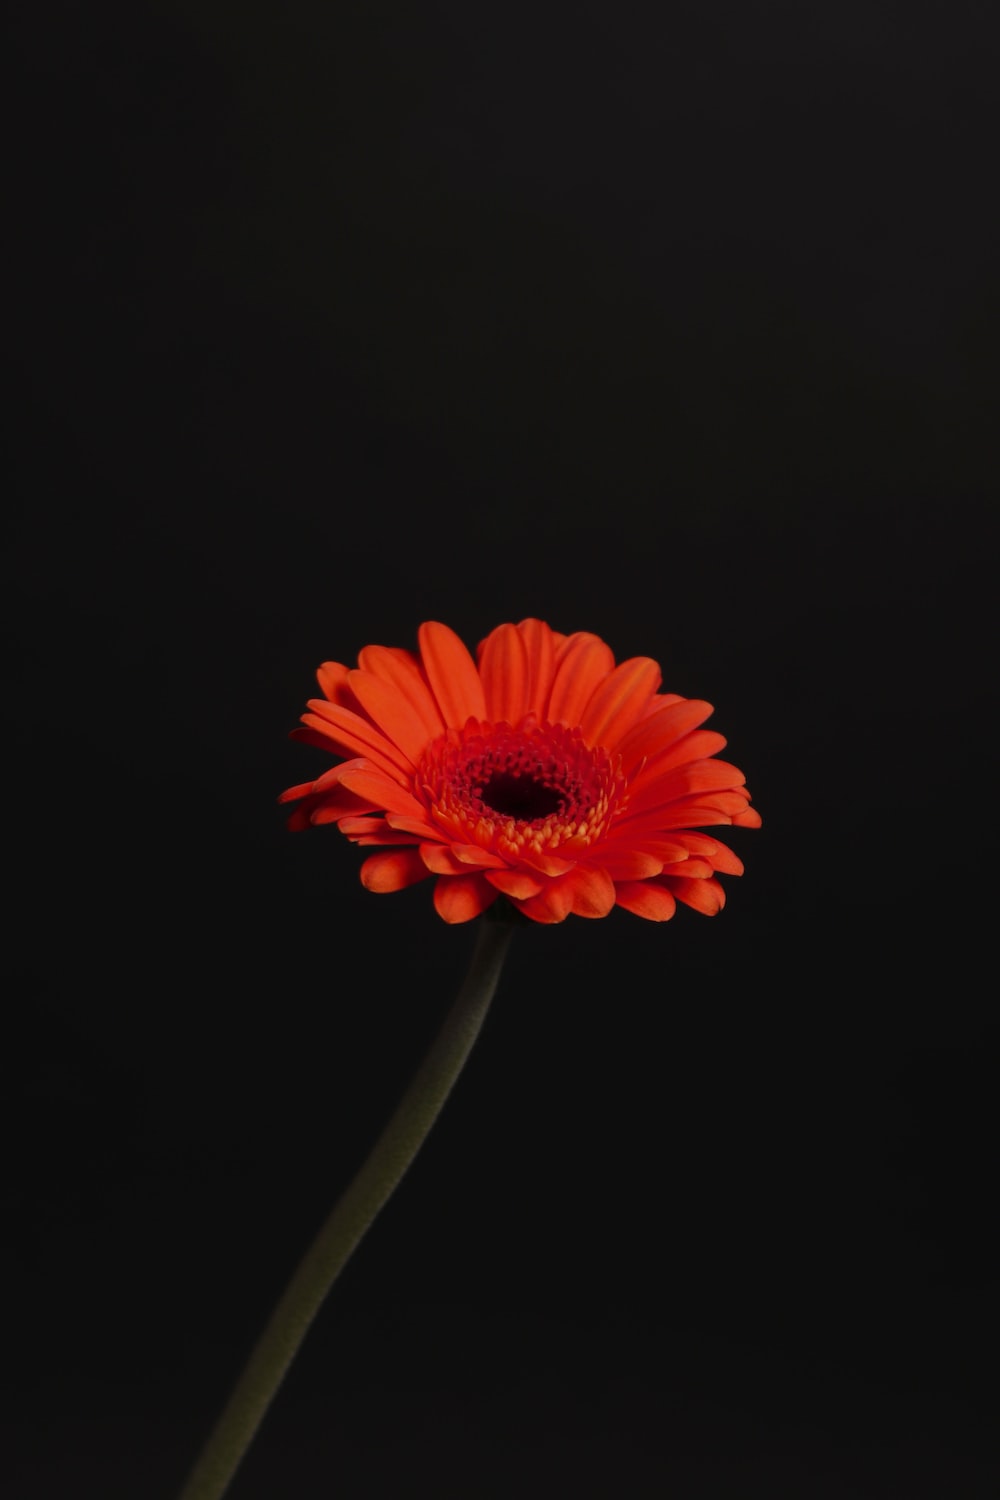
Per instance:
{"type": "Point", "coordinates": [350, 1219]}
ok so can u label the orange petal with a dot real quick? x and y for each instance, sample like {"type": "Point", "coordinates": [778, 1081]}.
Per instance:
{"type": "Point", "coordinates": [726, 862]}
{"type": "Point", "coordinates": [401, 669]}
{"type": "Point", "coordinates": [719, 855]}
{"type": "Point", "coordinates": [456, 859]}
{"type": "Point", "coordinates": [593, 891]}
{"type": "Point", "coordinates": [385, 793]}
{"type": "Point", "coordinates": [585, 892]}
{"type": "Point", "coordinates": [414, 824]}
{"type": "Point", "coordinates": [662, 700]}
{"type": "Point", "coordinates": [690, 869]}
{"type": "Point", "coordinates": [332, 679]}
{"type": "Point", "coordinates": [700, 744]}
{"type": "Point", "coordinates": [332, 806]}
{"type": "Point", "coordinates": [749, 819]}
{"type": "Point", "coordinates": [697, 843]}
{"type": "Point", "coordinates": [553, 903]}
{"type": "Point", "coordinates": [391, 713]}
{"type": "Point", "coordinates": [440, 861]}
{"type": "Point", "coordinates": [619, 702]}
{"type": "Point", "coordinates": [353, 735]}
{"type": "Point", "coordinates": [299, 820]}
{"type": "Point", "coordinates": [293, 793]}
{"type": "Point", "coordinates": [545, 864]}
{"type": "Point", "coordinates": [541, 644]}
{"type": "Point", "coordinates": [367, 831]}
{"type": "Point", "coordinates": [694, 778]}
{"type": "Point", "coordinates": [654, 734]}
{"type": "Point", "coordinates": [452, 674]}
{"type": "Point", "coordinates": [646, 899]}
{"type": "Point", "coordinates": [459, 898]}
{"type": "Point", "coordinates": [324, 800]}
{"type": "Point", "coordinates": [333, 777]}
{"type": "Point", "coordinates": [629, 864]}
{"type": "Point", "coordinates": [700, 812]}
{"type": "Point", "coordinates": [706, 896]}
{"type": "Point", "coordinates": [392, 872]}
{"type": "Point", "coordinates": [517, 883]}
{"type": "Point", "coordinates": [473, 854]}
{"type": "Point", "coordinates": [354, 827]}
{"type": "Point", "coordinates": [505, 673]}
{"type": "Point", "coordinates": [650, 841]}
{"type": "Point", "coordinates": [582, 664]}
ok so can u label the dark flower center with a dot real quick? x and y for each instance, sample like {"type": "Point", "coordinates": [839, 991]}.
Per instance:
{"type": "Point", "coordinates": [520, 790]}
{"type": "Point", "coordinates": [515, 795]}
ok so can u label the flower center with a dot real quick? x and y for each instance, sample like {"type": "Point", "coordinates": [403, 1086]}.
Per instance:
{"type": "Point", "coordinates": [515, 795]}
{"type": "Point", "coordinates": [532, 787]}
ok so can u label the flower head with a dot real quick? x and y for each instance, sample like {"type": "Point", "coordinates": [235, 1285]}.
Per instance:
{"type": "Point", "coordinates": [539, 771]}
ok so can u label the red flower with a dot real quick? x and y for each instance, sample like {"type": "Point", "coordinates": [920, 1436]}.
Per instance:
{"type": "Point", "coordinates": [545, 773]}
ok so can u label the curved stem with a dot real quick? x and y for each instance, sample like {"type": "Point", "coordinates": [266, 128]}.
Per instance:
{"type": "Point", "coordinates": [350, 1219]}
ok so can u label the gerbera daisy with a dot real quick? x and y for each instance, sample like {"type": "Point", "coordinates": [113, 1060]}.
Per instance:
{"type": "Point", "coordinates": [539, 771]}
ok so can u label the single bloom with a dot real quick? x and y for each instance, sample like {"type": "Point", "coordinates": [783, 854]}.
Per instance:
{"type": "Point", "coordinates": [539, 771]}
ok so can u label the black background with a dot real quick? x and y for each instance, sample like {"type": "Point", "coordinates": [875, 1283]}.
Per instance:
{"type": "Point", "coordinates": [677, 325]}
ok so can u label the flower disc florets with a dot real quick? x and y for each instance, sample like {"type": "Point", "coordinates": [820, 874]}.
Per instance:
{"type": "Point", "coordinates": [522, 790]}
{"type": "Point", "coordinates": [539, 770]}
